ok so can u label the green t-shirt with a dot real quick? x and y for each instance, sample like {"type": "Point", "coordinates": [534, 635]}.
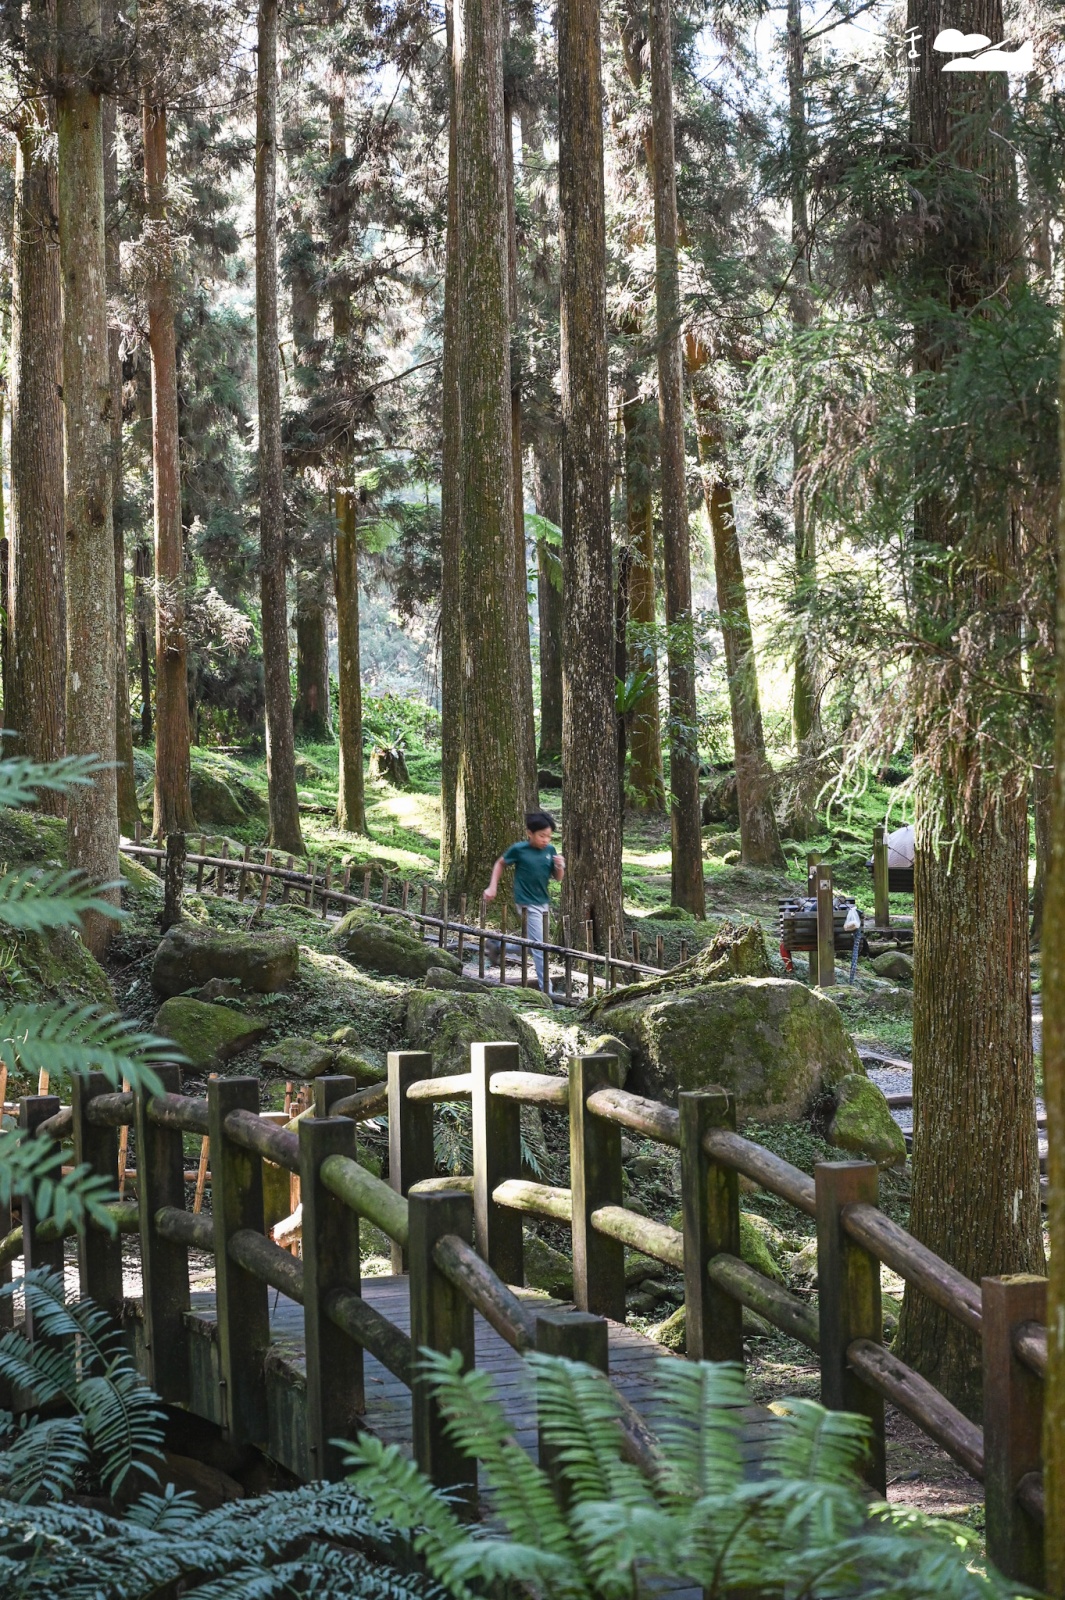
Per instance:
{"type": "Point", "coordinates": [532, 872]}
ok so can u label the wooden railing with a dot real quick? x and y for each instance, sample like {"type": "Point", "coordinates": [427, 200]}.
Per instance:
{"type": "Point", "coordinates": [461, 1240]}
{"type": "Point", "coordinates": [584, 968]}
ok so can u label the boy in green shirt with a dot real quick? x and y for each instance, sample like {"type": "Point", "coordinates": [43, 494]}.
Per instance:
{"type": "Point", "coordinates": [535, 861]}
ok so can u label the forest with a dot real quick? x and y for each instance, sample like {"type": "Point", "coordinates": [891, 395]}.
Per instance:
{"type": "Point", "coordinates": [631, 429]}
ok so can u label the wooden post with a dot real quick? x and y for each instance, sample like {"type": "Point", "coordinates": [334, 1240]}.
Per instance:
{"type": "Point", "coordinates": [710, 1198]}
{"type": "Point", "coordinates": [525, 947]}
{"type": "Point", "coordinates": [826, 937]}
{"type": "Point", "coordinates": [443, 919]}
{"type": "Point", "coordinates": [1013, 1424]}
{"type": "Point", "coordinates": [286, 886]}
{"type": "Point", "coordinates": [503, 943]}
{"type": "Point", "coordinates": [164, 1263]}
{"type": "Point", "coordinates": [347, 879]}
{"type": "Point", "coordinates": [37, 1252]}
{"type": "Point", "coordinates": [309, 895]}
{"type": "Point", "coordinates": [848, 1298]}
{"type": "Point", "coordinates": [441, 1318]}
{"type": "Point", "coordinates": [683, 951]}
{"type": "Point", "coordinates": [480, 940]}
{"type": "Point", "coordinates": [589, 945]}
{"type": "Point", "coordinates": [496, 1156]}
{"type": "Point", "coordinates": [611, 970]}
{"type": "Point", "coordinates": [199, 864]}
{"type": "Point", "coordinates": [595, 1180]}
{"type": "Point", "coordinates": [367, 875]}
{"type": "Point", "coordinates": [99, 1253]}
{"type": "Point", "coordinates": [330, 1088]}
{"type": "Point", "coordinates": [220, 875]}
{"type": "Point", "coordinates": [404, 894]}
{"type": "Point", "coordinates": [410, 1129]}
{"type": "Point", "coordinates": [425, 903]}
{"type": "Point", "coordinates": [335, 1393]}
{"type": "Point", "coordinates": [242, 881]}
{"type": "Point", "coordinates": [326, 881]}
{"type": "Point", "coordinates": [173, 880]}
{"type": "Point", "coordinates": [386, 888]}
{"type": "Point", "coordinates": [461, 951]}
{"type": "Point", "coordinates": [545, 940]}
{"type": "Point", "coordinates": [881, 902]}
{"type": "Point", "coordinates": [578, 1336]}
{"type": "Point", "coordinates": [265, 889]}
{"type": "Point", "coordinates": [813, 861]}
{"type": "Point", "coordinates": [242, 1300]}
{"type": "Point", "coordinates": [660, 951]}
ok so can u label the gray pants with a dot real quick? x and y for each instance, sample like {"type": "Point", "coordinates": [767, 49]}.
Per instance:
{"type": "Point", "coordinates": [535, 924]}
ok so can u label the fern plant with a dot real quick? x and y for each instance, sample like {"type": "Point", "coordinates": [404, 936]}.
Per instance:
{"type": "Point", "coordinates": [799, 1524]}
{"type": "Point", "coordinates": [318, 1540]}
{"type": "Point", "coordinates": [111, 1422]}
{"type": "Point", "coordinates": [60, 1038]}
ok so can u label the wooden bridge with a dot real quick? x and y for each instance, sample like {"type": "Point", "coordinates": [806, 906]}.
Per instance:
{"type": "Point", "coordinates": [294, 1382]}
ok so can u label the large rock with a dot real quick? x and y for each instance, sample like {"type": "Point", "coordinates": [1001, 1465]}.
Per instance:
{"type": "Point", "coordinates": [772, 1042]}
{"type": "Point", "coordinates": [206, 1034]}
{"type": "Point", "coordinates": [57, 966]}
{"type": "Point", "coordinates": [383, 946]}
{"type": "Point", "coordinates": [455, 982]}
{"type": "Point", "coordinates": [214, 801]}
{"type": "Point", "coordinates": [863, 1122]}
{"type": "Point", "coordinates": [721, 802]}
{"type": "Point", "coordinates": [190, 956]}
{"type": "Point", "coordinates": [299, 1058]}
{"type": "Point", "coordinates": [894, 964]}
{"type": "Point", "coordinates": [447, 1024]}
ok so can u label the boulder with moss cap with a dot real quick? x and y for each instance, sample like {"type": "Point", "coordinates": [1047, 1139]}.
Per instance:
{"type": "Point", "coordinates": [206, 1034]}
{"type": "Point", "coordinates": [448, 1024]}
{"type": "Point", "coordinates": [382, 945]}
{"type": "Point", "coordinates": [863, 1122]}
{"type": "Point", "coordinates": [191, 955]}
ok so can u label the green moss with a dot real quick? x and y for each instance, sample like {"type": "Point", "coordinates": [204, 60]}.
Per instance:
{"type": "Point", "coordinates": [207, 1034]}
{"type": "Point", "coordinates": [56, 966]}
{"type": "Point", "coordinates": [863, 1122]}
{"type": "Point", "coordinates": [448, 1024]}
{"type": "Point", "coordinates": [382, 946]}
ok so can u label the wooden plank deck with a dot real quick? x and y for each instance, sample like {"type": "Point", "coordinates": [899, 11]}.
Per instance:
{"type": "Point", "coordinates": [634, 1364]}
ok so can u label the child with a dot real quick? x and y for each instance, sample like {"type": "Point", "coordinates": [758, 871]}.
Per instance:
{"type": "Point", "coordinates": [535, 863]}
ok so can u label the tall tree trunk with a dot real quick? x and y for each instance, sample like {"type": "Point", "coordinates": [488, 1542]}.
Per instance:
{"type": "Point", "coordinates": [451, 501]}
{"type": "Point", "coordinates": [622, 614]}
{"type": "Point", "coordinates": [351, 795]}
{"type": "Point", "coordinates": [759, 839]}
{"type": "Point", "coordinates": [589, 734]}
{"type": "Point", "coordinates": [129, 814]}
{"type": "Point", "coordinates": [805, 718]}
{"type": "Point", "coordinates": [974, 1085]}
{"type": "Point", "coordinates": [310, 714]}
{"type": "Point", "coordinates": [92, 812]}
{"type": "Point", "coordinates": [142, 572]}
{"type": "Point", "coordinates": [547, 494]}
{"type": "Point", "coordinates": [687, 874]}
{"type": "Point", "coordinates": [35, 691]}
{"type": "Point", "coordinates": [646, 784]}
{"type": "Point", "coordinates": [172, 811]}
{"type": "Point", "coordinates": [523, 654]}
{"type": "Point", "coordinates": [1042, 801]}
{"type": "Point", "coordinates": [351, 800]}
{"type": "Point", "coordinates": [280, 744]}
{"type": "Point", "coordinates": [491, 775]}
{"type": "Point", "coordinates": [1054, 1095]}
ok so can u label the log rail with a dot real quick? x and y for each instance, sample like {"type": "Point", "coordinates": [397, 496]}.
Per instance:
{"type": "Point", "coordinates": [460, 1239]}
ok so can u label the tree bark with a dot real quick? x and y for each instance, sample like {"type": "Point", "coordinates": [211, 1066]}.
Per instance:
{"type": "Point", "coordinates": [547, 494]}
{"type": "Point", "coordinates": [646, 783]}
{"type": "Point", "coordinates": [805, 717]}
{"type": "Point", "coordinates": [1054, 1096]}
{"type": "Point", "coordinates": [172, 810]}
{"type": "Point", "coordinates": [687, 867]}
{"type": "Point", "coordinates": [451, 502]}
{"type": "Point", "coordinates": [141, 574]}
{"type": "Point", "coordinates": [129, 815]}
{"type": "Point", "coordinates": [92, 812]}
{"type": "Point", "coordinates": [35, 692]}
{"type": "Point", "coordinates": [523, 698]}
{"type": "Point", "coordinates": [490, 789]}
{"type": "Point", "coordinates": [310, 714]}
{"type": "Point", "coordinates": [285, 831]}
{"type": "Point", "coordinates": [589, 733]}
{"type": "Point", "coordinates": [974, 1084]}
{"type": "Point", "coordinates": [759, 839]}
{"type": "Point", "coordinates": [1042, 802]}
{"type": "Point", "coordinates": [351, 800]}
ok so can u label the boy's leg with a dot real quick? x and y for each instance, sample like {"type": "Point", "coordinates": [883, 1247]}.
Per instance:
{"type": "Point", "coordinates": [535, 925]}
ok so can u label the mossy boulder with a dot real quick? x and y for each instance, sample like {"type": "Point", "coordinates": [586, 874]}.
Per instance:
{"type": "Point", "coordinates": [737, 950]}
{"type": "Point", "coordinates": [207, 1034]}
{"type": "Point", "coordinates": [139, 881]}
{"type": "Point", "coordinates": [57, 966]}
{"type": "Point", "coordinates": [214, 801]}
{"type": "Point", "coordinates": [383, 946]}
{"type": "Point", "coordinates": [609, 1044]}
{"type": "Point", "coordinates": [190, 956]}
{"type": "Point", "coordinates": [455, 982]}
{"type": "Point", "coordinates": [672, 1333]}
{"type": "Point", "coordinates": [307, 769]}
{"type": "Point", "coordinates": [299, 1058]}
{"type": "Point", "coordinates": [447, 1024]}
{"type": "Point", "coordinates": [863, 1122]}
{"type": "Point", "coordinates": [896, 965]}
{"type": "Point", "coordinates": [758, 1239]}
{"type": "Point", "coordinates": [772, 1042]}
{"type": "Point", "coordinates": [547, 1268]}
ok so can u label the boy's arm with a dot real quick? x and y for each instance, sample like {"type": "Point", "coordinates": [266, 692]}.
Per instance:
{"type": "Point", "coordinates": [493, 885]}
{"type": "Point", "coordinates": [558, 866]}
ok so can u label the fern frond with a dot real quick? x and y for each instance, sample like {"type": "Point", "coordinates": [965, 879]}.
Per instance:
{"type": "Point", "coordinates": [399, 1494]}
{"type": "Point", "coordinates": [697, 1416]}
{"type": "Point", "coordinates": [173, 1511]}
{"type": "Point", "coordinates": [22, 780]}
{"type": "Point", "coordinates": [66, 1038]}
{"type": "Point", "coordinates": [34, 1167]}
{"type": "Point", "coordinates": [36, 899]}
{"type": "Point", "coordinates": [45, 1460]}
{"type": "Point", "coordinates": [522, 1496]}
{"type": "Point", "coordinates": [579, 1417]}
{"type": "Point", "coordinates": [814, 1444]}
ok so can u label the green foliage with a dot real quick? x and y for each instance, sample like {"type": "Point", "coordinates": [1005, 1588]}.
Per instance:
{"type": "Point", "coordinates": [317, 1540]}
{"type": "Point", "coordinates": [80, 1358]}
{"type": "Point", "coordinates": [803, 1526]}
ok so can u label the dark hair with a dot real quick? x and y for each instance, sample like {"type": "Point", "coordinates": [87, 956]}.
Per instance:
{"type": "Point", "coordinates": [535, 820]}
